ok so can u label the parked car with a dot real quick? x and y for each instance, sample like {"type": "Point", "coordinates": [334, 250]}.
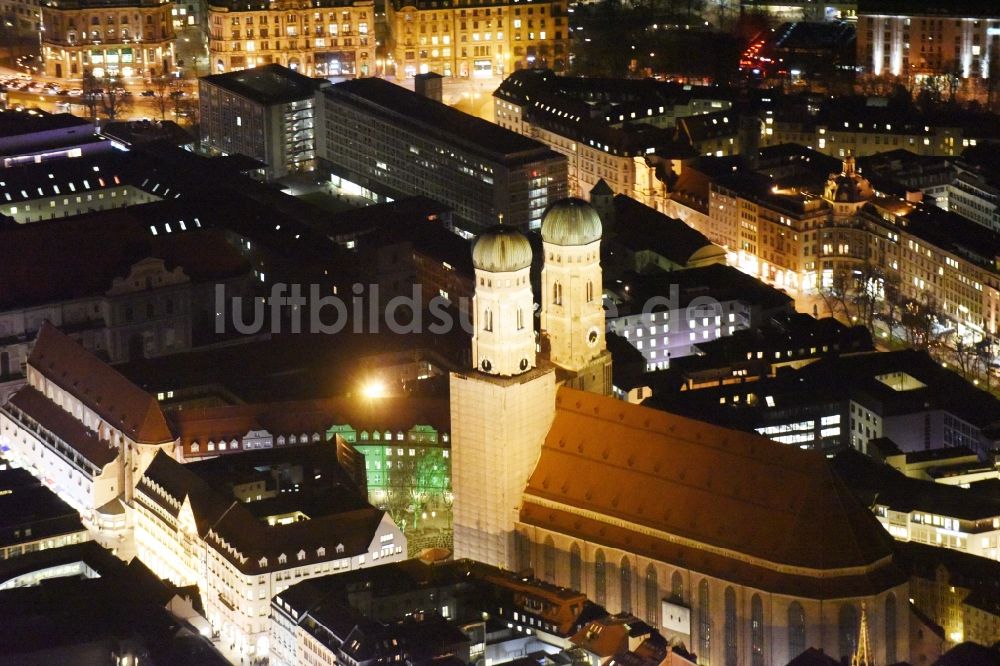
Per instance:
{"type": "Point", "coordinates": [75, 92]}
{"type": "Point", "coordinates": [148, 93]}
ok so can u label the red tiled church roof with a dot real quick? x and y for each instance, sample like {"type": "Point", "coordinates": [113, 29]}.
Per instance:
{"type": "Point", "coordinates": [730, 503]}
{"type": "Point", "coordinates": [122, 404]}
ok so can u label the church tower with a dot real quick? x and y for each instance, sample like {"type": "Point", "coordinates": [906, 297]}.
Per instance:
{"type": "Point", "coordinates": [502, 408]}
{"type": "Point", "coordinates": [572, 289]}
{"type": "Point", "coordinates": [503, 342]}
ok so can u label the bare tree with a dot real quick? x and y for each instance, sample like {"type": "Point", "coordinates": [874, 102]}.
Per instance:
{"type": "Point", "coordinates": [966, 357]}
{"type": "Point", "coordinates": [162, 87]}
{"type": "Point", "coordinates": [986, 355]}
{"type": "Point", "coordinates": [115, 101]}
{"type": "Point", "coordinates": [918, 320]}
{"type": "Point", "coordinates": [92, 92]}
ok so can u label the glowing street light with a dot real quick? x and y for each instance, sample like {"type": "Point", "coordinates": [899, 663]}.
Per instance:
{"type": "Point", "coordinates": [374, 389]}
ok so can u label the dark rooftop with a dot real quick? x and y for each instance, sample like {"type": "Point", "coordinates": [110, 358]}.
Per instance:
{"type": "Point", "coordinates": [65, 259]}
{"type": "Point", "coordinates": [874, 482]}
{"type": "Point", "coordinates": [426, 115]}
{"type": "Point", "coordinates": [267, 84]}
{"type": "Point", "coordinates": [30, 511]}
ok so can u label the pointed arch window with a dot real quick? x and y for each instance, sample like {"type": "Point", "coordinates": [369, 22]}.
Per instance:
{"type": "Point", "coordinates": [522, 550]}
{"type": "Point", "coordinates": [600, 579]}
{"type": "Point", "coordinates": [730, 626]}
{"type": "Point", "coordinates": [550, 560]}
{"type": "Point", "coordinates": [756, 631]}
{"type": "Point", "coordinates": [625, 585]}
{"type": "Point", "coordinates": [890, 629]}
{"type": "Point", "coordinates": [848, 634]}
{"type": "Point", "coordinates": [677, 587]}
{"type": "Point", "coordinates": [575, 567]}
{"type": "Point", "coordinates": [488, 320]}
{"type": "Point", "coordinates": [557, 293]}
{"type": "Point", "coordinates": [796, 630]}
{"type": "Point", "coordinates": [520, 319]}
{"type": "Point", "coordinates": [590, 292]}
{"type": "Point", "coordinates": [652, 597]}
{"type": "Point", "coordinates": [704, 623]}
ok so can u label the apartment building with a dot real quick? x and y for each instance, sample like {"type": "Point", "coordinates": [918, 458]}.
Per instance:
{"type": "Point", "coordinates": [324, 38]}
{"type": "Point", "coordinates": [667, 316]}
{"type": "Point", "coordinates": [803, 238]}
{"type": "Point", "coordinates": [607, 128]}
{"type": "Point", "coordinates": [391, 142]}
{"type": "Point", "coordinates": [198, 524]}
{"type": "Point", "coordinates": [129, 38]}
{"type": "Point", "coordinates": [267, 113]}
{"type": "Point", "coordinates": [476, 39]}
{"type": "Point", "coordinates": [926, 38]}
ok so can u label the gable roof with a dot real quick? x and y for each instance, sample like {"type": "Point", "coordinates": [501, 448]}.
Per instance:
{"type": "Point", "coordinates": [222, 520]}
{"type": "Point", "coordinates": [122, 404]}
{"type": "Point", "coordinates": [725, 502]}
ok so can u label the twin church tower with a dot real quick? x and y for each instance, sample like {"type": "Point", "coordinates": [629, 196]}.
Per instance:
{"type": "Point", "coordinates": [502, 410]}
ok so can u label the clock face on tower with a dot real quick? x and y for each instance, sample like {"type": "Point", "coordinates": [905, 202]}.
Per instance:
{"type": "Point", "coordinates": [593, 336]}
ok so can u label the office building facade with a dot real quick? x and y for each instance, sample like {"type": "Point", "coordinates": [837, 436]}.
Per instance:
{"type": "Point", "coordinates": [390, 142]}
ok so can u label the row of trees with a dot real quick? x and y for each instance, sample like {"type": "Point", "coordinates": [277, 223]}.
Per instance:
{"type": "Point", "coordinates": [106, 96]}
{"type": "Point", "coordinates": [948, 87]}
{"type": "Point", "coordinates": [871, 297]}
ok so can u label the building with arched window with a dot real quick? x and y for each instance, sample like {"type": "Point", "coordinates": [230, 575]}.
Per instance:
{"type": "Point", "coordinates": [128, 38]}
{"type": "Point", "coordinates": [768, 546]}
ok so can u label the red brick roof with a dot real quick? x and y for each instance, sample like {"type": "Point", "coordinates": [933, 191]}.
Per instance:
{"type": "Point", "coordinates": [122, 404]}
{"type": "Point", "coordinates": [704, 497]}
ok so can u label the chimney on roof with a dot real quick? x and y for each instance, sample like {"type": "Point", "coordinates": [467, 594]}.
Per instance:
{"type": "Point", "coordinates": [429, 85]}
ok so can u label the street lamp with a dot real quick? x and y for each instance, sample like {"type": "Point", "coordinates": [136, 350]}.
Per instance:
{"type": "Point", "coordinates": [374, 389]}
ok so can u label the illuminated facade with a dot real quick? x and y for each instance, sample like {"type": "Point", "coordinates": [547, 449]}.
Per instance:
{"type": "Point", "coordinates": [862, 138]}
{"type": "Point", "coordinates": [611, 141]}
{"type": "Point", "coordinates": [130, 38]}
{"type": "Point", "coordinates": [476, 39]}
{"type": "Point", "coordinates": [84, 430]}
{"type": "Point", "coordinates": [395, 143]}
{"type": "Point", "coordinates": [328, 38]}
{"type": "Point", "coordinates": [191, 534]}
{"type": "Point", "coordinates": [800, 241]}
{"type": "Point", "coordinates": [915, 40]}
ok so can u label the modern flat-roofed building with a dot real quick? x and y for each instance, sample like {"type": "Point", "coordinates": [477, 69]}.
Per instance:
{"type": "Point", "coordinates": [266, 113]}
{"type": "Point", "coordinates": [130, 38]}
{"type": "Point", "coordinates": [391, 142]}
{"type": "Point", "coordinates": [324, 38]}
